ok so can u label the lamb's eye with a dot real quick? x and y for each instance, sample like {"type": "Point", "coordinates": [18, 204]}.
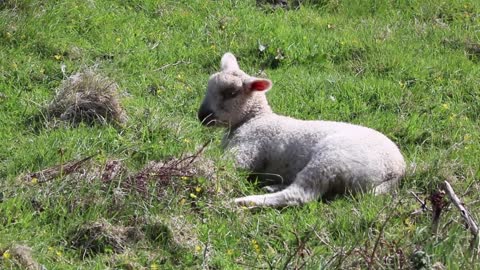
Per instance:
{"type": "Point", "coordinates": [230, 93]}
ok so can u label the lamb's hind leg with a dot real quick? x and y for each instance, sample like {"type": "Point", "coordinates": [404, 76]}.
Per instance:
{"type": "Point", "coordinates": [306, 187]}
{"type": "Point", "coordinates": [386, 186]}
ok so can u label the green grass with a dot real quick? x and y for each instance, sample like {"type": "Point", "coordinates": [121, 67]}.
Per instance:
{"type": "Point", "coordinates": [406, 68]}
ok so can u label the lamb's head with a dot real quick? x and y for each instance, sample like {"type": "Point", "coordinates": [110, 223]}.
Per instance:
{"type": "Point", "coordinates": [233, 96]}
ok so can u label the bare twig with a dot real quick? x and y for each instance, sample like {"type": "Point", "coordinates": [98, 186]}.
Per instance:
{"type": "Point", "coordinates": [380, 234]}
{"type": "Point", "coordinates": [423, 205]}
{"type": "Point", "coordinates": [471, 224]}
{"type": "Point", "coordinates": [422, 202]}
{"type": "Point", "coordinates": [205, 252]}
{"type": "Point", "coordinates": [172, 65]}
{"type": "Point", "coordinates": [301, 242]}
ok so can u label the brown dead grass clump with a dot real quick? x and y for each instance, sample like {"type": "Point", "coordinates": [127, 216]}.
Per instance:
{"type": "Point", "coordinates": [89, 97]}
{"type": "Point", "coordinates": [164, 173]}
{"type": "Point", "coordinates": [101, 237]}
{"type": "Point", "coordinates": [160, 174]}
{"type": "Point", "coordinates": [22, 257]}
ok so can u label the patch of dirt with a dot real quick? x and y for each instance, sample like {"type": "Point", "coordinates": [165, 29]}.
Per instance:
{"type": "Point", "coordinates": [87, 97]}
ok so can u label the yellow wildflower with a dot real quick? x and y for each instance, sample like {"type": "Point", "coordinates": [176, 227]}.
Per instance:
{"type": "Point", "coordinates": [193, 196]}
{"type": "Point", "coordinates": [410, 226]}
{"type": "Point", "coordinates": [34, 180]}
{"type": "Point", "coordinates": [445, 106]}
{"type": "Point", "coordinates": [58, 57]}
{"type": "Point", "coordinates": [198, 189]}
{"type": "Point", "coordinates": [118, 40]}
{"type": "Point", "coordinates": [154, 266]}
{"type": "Point", "coordinates": [198, 248]}
{"type": "Point", "coordinates": [229, 251]}
{"type": "Point", "coordinates": [256, 246]}
{"type": "Point", "coordinates": [185, 178]}
{"type": "Point", "coordinates": [182, 201]}
{"type": "Point", "coordinates": [6, 255]}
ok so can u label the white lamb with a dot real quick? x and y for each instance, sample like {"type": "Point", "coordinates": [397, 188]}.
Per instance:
{"type": "Point", "coordinates": [308, 159]}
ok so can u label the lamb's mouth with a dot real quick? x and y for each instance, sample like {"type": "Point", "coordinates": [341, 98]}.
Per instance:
{"type": "Point", "coordinates": [208, 120]}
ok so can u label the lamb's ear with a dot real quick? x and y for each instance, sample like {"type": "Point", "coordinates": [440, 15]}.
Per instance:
{"type": "Point", "coordinates": [229, 62]}
{"type": "Point", "coordinates": [257, 84]}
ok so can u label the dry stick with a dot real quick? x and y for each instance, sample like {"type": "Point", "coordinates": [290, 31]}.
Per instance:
{"type": "Point", "coordinates": [301, 241]}
{"type": "Point", "coordinates": [423, 205]}
{"type": "Point", "coordinates": [205, 252]}
{"type": "Point", "coordinates": [472, 225]}
{"type": "Point", "coordinates": [172, 65]}
{"type": "Point", "coordinates": [422, 202]}
{"type": "Point", "coordinates": [382, 229]}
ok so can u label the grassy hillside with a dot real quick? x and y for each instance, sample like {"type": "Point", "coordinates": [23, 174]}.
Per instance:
{"type": "Point", "coordinates": [410, 69]}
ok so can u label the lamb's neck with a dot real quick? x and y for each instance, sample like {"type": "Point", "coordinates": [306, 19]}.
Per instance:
{"type": "Point", "coordinates": [257, 110]}
{"type": "Point", "coordinates": [258, 105]}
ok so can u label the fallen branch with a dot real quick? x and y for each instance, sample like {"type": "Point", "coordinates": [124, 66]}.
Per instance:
{"type": "Point", "coordinates": [471, 224]}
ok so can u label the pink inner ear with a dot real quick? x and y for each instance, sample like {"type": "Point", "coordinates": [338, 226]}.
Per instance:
{"type": "Point", "coordinates": [259, 85]}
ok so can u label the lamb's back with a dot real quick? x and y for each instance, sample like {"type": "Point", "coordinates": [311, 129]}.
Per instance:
{"type": "Point", "coordinates": [288, 144]}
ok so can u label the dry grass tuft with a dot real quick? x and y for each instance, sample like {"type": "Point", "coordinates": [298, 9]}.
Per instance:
{"type": "Point", "coordinates": [89, 97]}
{"type": "Point", "coordinates": [160, 174]}
{"type": "Point", "coordinates": [164, 173]}
{"type": "Point", "coordinates": [101, 237]}
{"type": "Point", "coordinates": [183, 231]}
{"type": "Point", "coordinates": [22, 256]}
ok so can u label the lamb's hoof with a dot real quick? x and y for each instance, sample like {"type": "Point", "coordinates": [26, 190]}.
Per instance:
{"type": "Point", "coordinates": [244, 203]}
